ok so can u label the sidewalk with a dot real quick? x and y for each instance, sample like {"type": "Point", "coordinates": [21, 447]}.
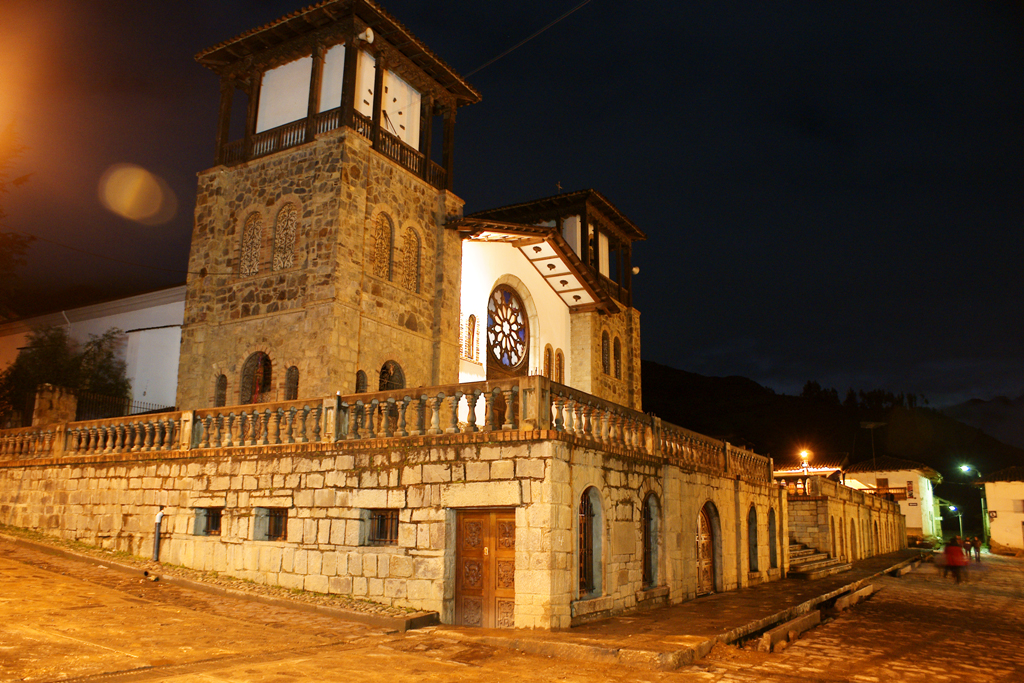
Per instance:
{"type": "Point", "coordinates": [675, 636]}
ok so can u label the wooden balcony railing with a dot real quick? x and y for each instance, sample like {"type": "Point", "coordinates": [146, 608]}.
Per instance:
{"type": "Point", "coordinates": [294, 134]}
{"type": "Point", "coordinates": [486, 409]}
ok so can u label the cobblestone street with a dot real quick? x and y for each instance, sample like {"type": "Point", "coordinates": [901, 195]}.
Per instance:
{"type": "Point", "coordinates": [67, 620]}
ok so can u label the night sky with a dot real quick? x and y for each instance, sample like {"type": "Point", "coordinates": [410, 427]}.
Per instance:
{"type": "Point", "coordinates": [831, 191]}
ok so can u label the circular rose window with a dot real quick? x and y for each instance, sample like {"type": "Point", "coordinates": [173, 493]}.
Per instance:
{"type": "Point", "coordinates": [507, 330]}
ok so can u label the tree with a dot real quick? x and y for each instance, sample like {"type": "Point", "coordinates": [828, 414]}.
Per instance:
{"type": "Point", "coordinates": [13, 246]}
{"type": "Point", "coordinates": [52, 357]}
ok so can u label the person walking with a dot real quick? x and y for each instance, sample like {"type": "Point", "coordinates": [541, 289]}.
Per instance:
{"type": "Point", "coordinates": [976, 544]}
{"type": "Point", "coordinates": [955, 558]}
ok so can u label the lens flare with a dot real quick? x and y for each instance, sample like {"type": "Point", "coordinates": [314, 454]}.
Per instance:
{"type": "Point", "coordinates": [134, 193]}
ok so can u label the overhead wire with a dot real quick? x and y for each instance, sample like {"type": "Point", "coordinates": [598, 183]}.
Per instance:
{"type": "Point", "coordinates": [526, 40]}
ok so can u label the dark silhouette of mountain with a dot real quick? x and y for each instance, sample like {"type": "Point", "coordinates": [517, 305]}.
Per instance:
{"type": "Point", "coordinates": [1001, 417]}
{"type": "Point", "coordinates": [744, 413]}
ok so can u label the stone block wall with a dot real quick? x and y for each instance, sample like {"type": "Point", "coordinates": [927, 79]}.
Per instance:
{"type": "Point", "coordinates": [328, 312]}
{"type": "Point", "coordinates": [587, 330]}
{"type": "Point", "coordinates": [328, 490]}
{"type": "Point", "coordinates": [842, 521]}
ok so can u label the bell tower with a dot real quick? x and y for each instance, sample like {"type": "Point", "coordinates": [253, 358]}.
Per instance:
{"type": "Point", "coordinates": [320, 261]}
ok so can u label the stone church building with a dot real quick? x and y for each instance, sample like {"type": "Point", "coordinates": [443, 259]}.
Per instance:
{"type": "Point", "coordinates": [381, 397]}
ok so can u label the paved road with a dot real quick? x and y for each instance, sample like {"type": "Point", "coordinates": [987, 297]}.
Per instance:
{"type": "Point", "coordinates": [64, 620]}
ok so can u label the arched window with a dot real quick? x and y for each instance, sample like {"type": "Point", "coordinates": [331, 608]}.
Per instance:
{"type": "Point", "coordinates": [834, 548]}
{"type": "Point", "coordinates": [252, 240]}
{"type": "Point", "coordinates": [606, 363]}
{"type": "Point", "coordinates": [285, 230]}
{"type": "Point", "coordinates": [411, 266]}
{"type": "Point", "coordinates": [590, 543]}
{"type": "Point", "coordinates": [617, 357]}
{"type": "Point", "coordinates": [547, 361]}
{"type": "Point", "coordinates": [220, 391]}
{"type": "Point", "coordinates": [391, 376]}
{"type": "Point", "coordinates": [773, 541]}
{"type": "Point", "coordinates": [651, 518]}
{"type": "Point", "coordinates": [469, 339]}
{"type": "Point", "coordinates": [508, 333]}
{"type": "Point", "coordinates": [559, 367]}
{"type": "Point", "coordinates": [752, 538]}
{"type": "Point", "coordinates": [383, 239]}
{"type": "Point", "coordinates": [256, 379]}
{"type": "Point", "coordinates": [291, 384]}
{"type": "Point", "coordinates": [361, 382]}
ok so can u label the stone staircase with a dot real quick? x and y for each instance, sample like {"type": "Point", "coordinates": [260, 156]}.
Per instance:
{"type": "Point", "coordinates": [808, 563]}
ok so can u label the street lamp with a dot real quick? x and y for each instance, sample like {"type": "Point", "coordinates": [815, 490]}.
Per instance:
{"type": "Point", "coordinates": [959, 517]}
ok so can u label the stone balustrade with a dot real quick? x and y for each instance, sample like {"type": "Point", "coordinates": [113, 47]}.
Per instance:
{"type": "Point", "coordinates": [27, 442]}
{"type": "Point", "coordinates": [533, 407]}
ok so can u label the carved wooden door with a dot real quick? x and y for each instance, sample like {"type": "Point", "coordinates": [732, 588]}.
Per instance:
{"type": "Point", "coordinates": [485, 589]}
{"type": "Point", "coordinates": [705, 555]}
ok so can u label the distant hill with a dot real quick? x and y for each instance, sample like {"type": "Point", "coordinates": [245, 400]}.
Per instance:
{"type": "Point", "coordinates": [742, 412]}
{"type": "Point", "coordinates": [1001, 417]}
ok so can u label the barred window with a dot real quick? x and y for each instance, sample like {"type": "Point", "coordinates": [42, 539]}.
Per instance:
{"type": "Point", "coordinates": [291, 383]}
{"type": "Point", "coordinates": [252, 240]}
{"type": "Point", "coordinates": [220, 392]}
{"type": "Point", "coordinates": [411, 264]}
{"type": "Point", "coordinates": [383, 240]}
{"type": "Point", "coordinates": [391, 377]}
{"type": "Point", "coordinates": [284, 236]}
{"type": "Point", "coordinates": [270, 524]}
{"type": "Point", "coordinates": [617, 353]}
{"type": "Point", "coordinates": [361, 382]}
{"type": "Point", "coordinates": [383, 527]}
{"type": "Point", "coordinates": [606, 365]}
{"type": "Point", "coordinates": [207, 521]}
{"type": "Point", "coordinates": [256, 378]}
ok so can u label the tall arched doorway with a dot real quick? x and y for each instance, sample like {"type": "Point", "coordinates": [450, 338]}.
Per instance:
{"type": "Point", "coordinates": [708, 549]}
{"type": "Point", "coordinates": [853, 540]}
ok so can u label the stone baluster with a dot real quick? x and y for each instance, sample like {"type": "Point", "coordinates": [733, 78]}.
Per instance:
{"type": "Point", "coordinates": [273, 436]}
{"type": "Point", "coordinates": [371, 427]}
{"type": "Point", "coordinates": [146, 433]}
{"type": "Point", "coordinates": [435, 413]}
{"type": "Point", "coordinates": [317, 413]}
{"type": "Point", "coordinates": [489, 410]}
{"type": "Point", "coordinates": [471, 401]}
{"type": "Point", "coordinates": [205, 435]}
{"type": "Point", "coordinates": [403, 409]}
{"type": "Point", "coordinates": [229, 423]}
{"type": "Point", "coordinates": [303, 415]}
{"type": "Point", "coordinates": [289, 417]}
{"type": "Point", "coordinates": [453, 420]}
{"type": "Point", "coordinates": [387, 429]}
{"type": "Point", "coordinates": [559, 403]}
{"type": "Point", "coordinates": [510, 413]}
{"type": "Point", "coordinates": [264, 438]}
{"type": "Point", "coordinates": [421, 415]}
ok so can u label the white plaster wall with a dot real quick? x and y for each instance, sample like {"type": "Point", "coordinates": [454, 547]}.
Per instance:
{"type": "Point", "coordinates": [483, 264]}
{"type": "Point", "coordinates": [920, 516]}
{"type": "Point", "coordinates": [151, 355]}
{"type": "Point", "coordinates": [1006, 499]}
{"type": "Point", "coordinates": [284, 94]}
{"type": "Point", "coordinates": [402, 104]}
{"type": "Point", "coordinates": [334, 73]}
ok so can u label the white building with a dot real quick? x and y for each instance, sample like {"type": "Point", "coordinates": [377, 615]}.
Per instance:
{"type": "Point", "coordinates": [1004, 493]}
{"type": "Point", "coordinates": [905, 481]}
{"type": "Point", "coordinates": [151, 324]}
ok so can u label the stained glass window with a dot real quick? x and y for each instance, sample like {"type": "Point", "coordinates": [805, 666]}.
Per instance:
{"type": "Point", "coordinates": [507, 329]}
{"type": "Point", "coordinates": [391, 376]}
{"type": "Point", "coordinates": [559, 367]}
{"type": "Point", "coordinates": [617, 353]}
{"type": "Point", "coordinates": [606, 365]}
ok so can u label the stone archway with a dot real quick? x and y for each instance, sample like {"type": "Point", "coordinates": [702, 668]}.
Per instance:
{"type": "Point", "coordinates": [709, 550]}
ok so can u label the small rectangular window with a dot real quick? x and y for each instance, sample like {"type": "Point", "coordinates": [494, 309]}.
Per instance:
{"type": "Point", "coordinates": [1018, 506]}
{"type": "Point", "coordinates": [208, 521]}
{"type": "Point", "coordinates": [383, 527]}
{"type": "Point", "coordinates": [270, 524]}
